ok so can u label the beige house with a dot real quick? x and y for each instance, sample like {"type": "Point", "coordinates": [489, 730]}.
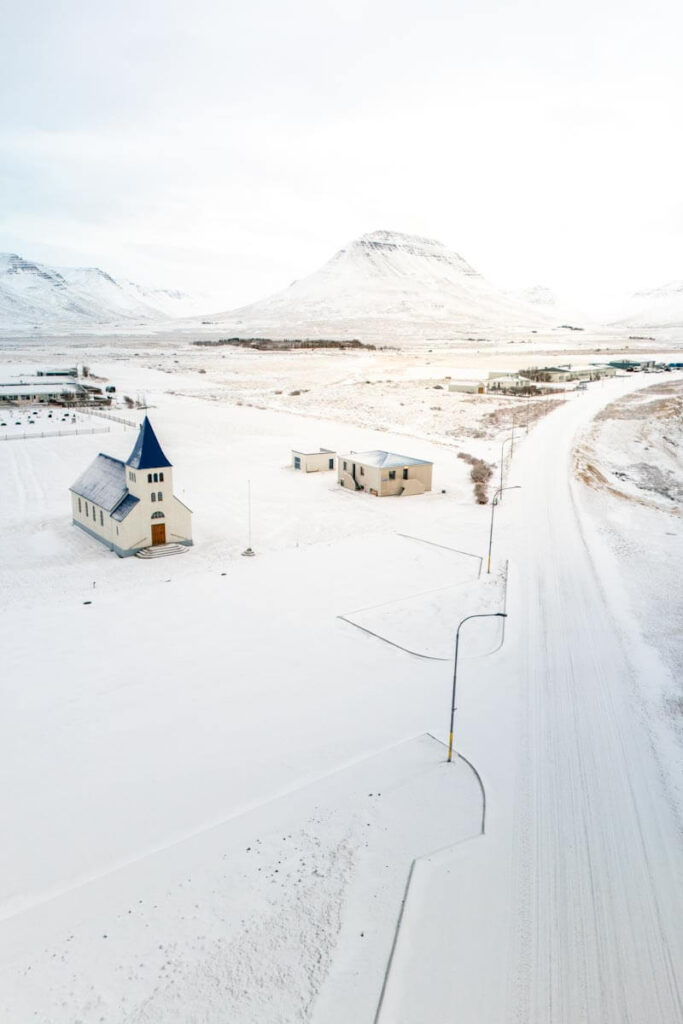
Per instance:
{"type": "Point", "coordinates": [383, 473]}
{"type": "Point", "coordinates": [468, 387]}
{"type": "Point", "coordinates": [130, 505]}
{"type": "Point", "coordinates": [314, 462]}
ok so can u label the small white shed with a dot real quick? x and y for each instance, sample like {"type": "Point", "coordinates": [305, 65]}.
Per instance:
{"type": "Point", "coordinates": [314, 462]}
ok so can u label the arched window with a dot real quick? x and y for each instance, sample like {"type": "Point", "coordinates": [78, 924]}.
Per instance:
{"type": "Point", "coordinates": [157, 515]}
{"type": "Point", "coordinates": [159, 496]}
{"type": "Point", "coordinates": [156, 478]}
{"type": "Point", "coordinates": [161, 478]}
{"type": "Point", "coordinates": [149, 478]}
{"type": "Point", "coordinates": [154, 497]}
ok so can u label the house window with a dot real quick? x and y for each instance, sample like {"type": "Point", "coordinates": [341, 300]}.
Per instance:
{"type": "Point", "coordinates": [154, 497]}
{"type": "Point", "coordinates": [156, 478]}
{"type": "Point", "coordinates": [101, 518]}
{"type": "Point", "coordinates": [330, 464]}
{"type": "Point", "coordinates": [149, 478]}
{"type": "Point", "coordinates": [297, 462]}
{"type": "Point", "coordinates": [161, 478]}
{"type": "Point", "coordinates": [157, 515]}
{"type": "Point", "coordinates": [405, 474]}
{"type": "Point", "coordinates": [345, 467]}
{"type": "Point", "coordinates": [392, 474]}
{"type": "Point", "coordinates": [159, 495]}
{"type": "Point", "coordinates": [79, 505]}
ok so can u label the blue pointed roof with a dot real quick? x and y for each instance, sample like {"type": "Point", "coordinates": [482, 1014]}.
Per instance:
{"type": "Point", "coordinates": [147, 453]}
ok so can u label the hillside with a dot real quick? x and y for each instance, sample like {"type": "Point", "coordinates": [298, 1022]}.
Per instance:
{"type": "Point", "coordinates": [387, 287]}
{"type": "Point", "coordinates": [36, 295]}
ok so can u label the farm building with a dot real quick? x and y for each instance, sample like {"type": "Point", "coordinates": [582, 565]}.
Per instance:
{"type": "Point", "coordinates": [383, 473]}
{"type": "Point", "coordinates": [562, 374]}
{"type": "Point", "coordinates": [57, 392]}
{"type": "Point", "coordinates": [130, 505]}
{"type": "Point", "coordinates": [633, 365]}
{"type": "Point", "coordinates": [468, 387]}
{"type": "Point", "coordinates": [70, 371]}
{"type": "Point", "coordinates": [314, 462]}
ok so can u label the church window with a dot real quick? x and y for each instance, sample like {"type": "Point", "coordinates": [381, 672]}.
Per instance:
{"type": "Point", "coordinates": [161, 478]}
{"type": "Point", "coordinates": [101, 518]}
{"type": "Point", "coordinates": [79, 505]}
{"type": "Point", "coordinates": [159, 496]}
{"type": "Point", "coordinates": [154, 497]}
{"type": "Point", "coordinates": [86, 509]}
{"type": "Point", "coordinates": [94, 513]}
{"type": "Point", "coordinates": [156, 478]}
{"type": "Point", "coordinates": [157, 515]}
{"type": "Point", "coordinates": [149, 478]}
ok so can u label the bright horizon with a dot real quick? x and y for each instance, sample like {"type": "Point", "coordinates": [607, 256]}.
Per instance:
{"type": "Point", "coordinates": [231, 151]}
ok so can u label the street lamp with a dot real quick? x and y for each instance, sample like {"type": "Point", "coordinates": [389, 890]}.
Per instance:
{"type": "Point", "coordinates": [487, 615]}
{"type": "Point", "coordinates": [502, 451]}
{"type": "Point", "coordinates": [494, 502]}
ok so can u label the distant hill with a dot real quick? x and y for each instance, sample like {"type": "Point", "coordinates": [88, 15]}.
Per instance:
{"type": "Point", "coordinates": [385, 287]}
{"type": "Point", "coordinates": [33, 294]}
{"type": "Point", "coordinates": [658, 307]}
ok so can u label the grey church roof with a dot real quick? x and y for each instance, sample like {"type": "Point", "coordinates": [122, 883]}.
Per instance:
{"type": "Point", "coordinates": [147, 452]}
{"type": "Point", "coordinates": [103, 483]}
{"type": "Point", "coordinates": [126, 506]}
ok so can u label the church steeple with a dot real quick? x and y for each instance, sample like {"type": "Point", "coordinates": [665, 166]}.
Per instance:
{"type": "Point", "coordinates": [147, 452]}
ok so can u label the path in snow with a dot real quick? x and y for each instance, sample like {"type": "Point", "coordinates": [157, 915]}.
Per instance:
{"type": "Point", "coordinates": [570, 909]}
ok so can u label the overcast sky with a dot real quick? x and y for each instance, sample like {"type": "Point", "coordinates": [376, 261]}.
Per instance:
{"type": "Point", "coordinates": [229, 148]}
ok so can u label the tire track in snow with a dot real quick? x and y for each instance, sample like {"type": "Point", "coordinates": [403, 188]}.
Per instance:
{"type": "Point", "coordinates": [599, 939]}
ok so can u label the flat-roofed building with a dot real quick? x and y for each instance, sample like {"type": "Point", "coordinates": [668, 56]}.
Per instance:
{"type": "Point", "coordinates": [384, 473]}
{"type": "Point", "coordinates": [314, 462]}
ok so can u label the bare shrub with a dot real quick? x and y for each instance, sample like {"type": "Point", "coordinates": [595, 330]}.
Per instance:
{"type": "Point", "coordinates": [480, 474]}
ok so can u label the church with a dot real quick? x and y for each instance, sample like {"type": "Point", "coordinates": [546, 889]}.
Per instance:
{"type": "Point", "coordinates": [130, 505]}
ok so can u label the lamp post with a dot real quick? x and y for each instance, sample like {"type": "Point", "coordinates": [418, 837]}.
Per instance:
{"type": "Point", "coordinates": [487, 615]}
{"type": "Point", "coordinates": [494, 502]}
{"type": "Point", "coordinates": [502, 458]}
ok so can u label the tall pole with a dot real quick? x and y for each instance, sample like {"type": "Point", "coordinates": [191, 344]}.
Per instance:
{"type": "Point", "coordinates": [493, 509]}
{"type": "Point", "coordinates": [249, 510]}
{"type": "Point", "coordinates": [494, 502]}
{"type": "Point", "coordinates": [487, 615]}
{"type": "Point", "coordinates": [502, 461]}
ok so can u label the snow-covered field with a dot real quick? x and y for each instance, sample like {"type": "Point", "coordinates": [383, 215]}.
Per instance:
{"type": "Point", "coordinates": [214, 786]}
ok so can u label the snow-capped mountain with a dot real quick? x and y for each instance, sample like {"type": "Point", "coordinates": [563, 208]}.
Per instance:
{"type": "Point", "coordinates": [32, 294]}
{"type": "Point", "coordinates": [386, 287]}
{"type": "Point", "coordinates": [656, 307]}
{"type": "Point", "coordinates": [538, 295]}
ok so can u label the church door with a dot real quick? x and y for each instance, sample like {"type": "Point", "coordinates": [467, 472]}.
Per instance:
{"type": "Point", "coordinates": [159, 533]}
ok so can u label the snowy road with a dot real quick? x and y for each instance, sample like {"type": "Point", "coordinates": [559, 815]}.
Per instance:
{"type": "Point", "coordinates": [571, 908]}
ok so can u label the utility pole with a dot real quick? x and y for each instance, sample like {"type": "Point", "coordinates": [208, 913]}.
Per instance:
{"type": "Point", "coordinates": [488, 615]}
{"type": "Point", "coordinates": [494, 502]}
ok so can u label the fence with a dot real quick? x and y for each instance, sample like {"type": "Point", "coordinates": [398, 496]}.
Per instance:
{"type": "Point", "coordinates": [108, 416]}
{"type": "Point", "coordinates": [55, 433]}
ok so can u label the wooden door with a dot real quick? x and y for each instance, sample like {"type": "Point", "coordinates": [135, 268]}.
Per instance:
{"type": "Point", "coordinates": [159, 533]}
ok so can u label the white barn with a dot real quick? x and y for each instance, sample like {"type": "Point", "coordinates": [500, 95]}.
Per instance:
{"type": "Point", "coordinates": [130, 505]}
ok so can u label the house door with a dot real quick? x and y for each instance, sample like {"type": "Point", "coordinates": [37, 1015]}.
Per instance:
{"type": "Point", "coordinates": [158, 533]}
